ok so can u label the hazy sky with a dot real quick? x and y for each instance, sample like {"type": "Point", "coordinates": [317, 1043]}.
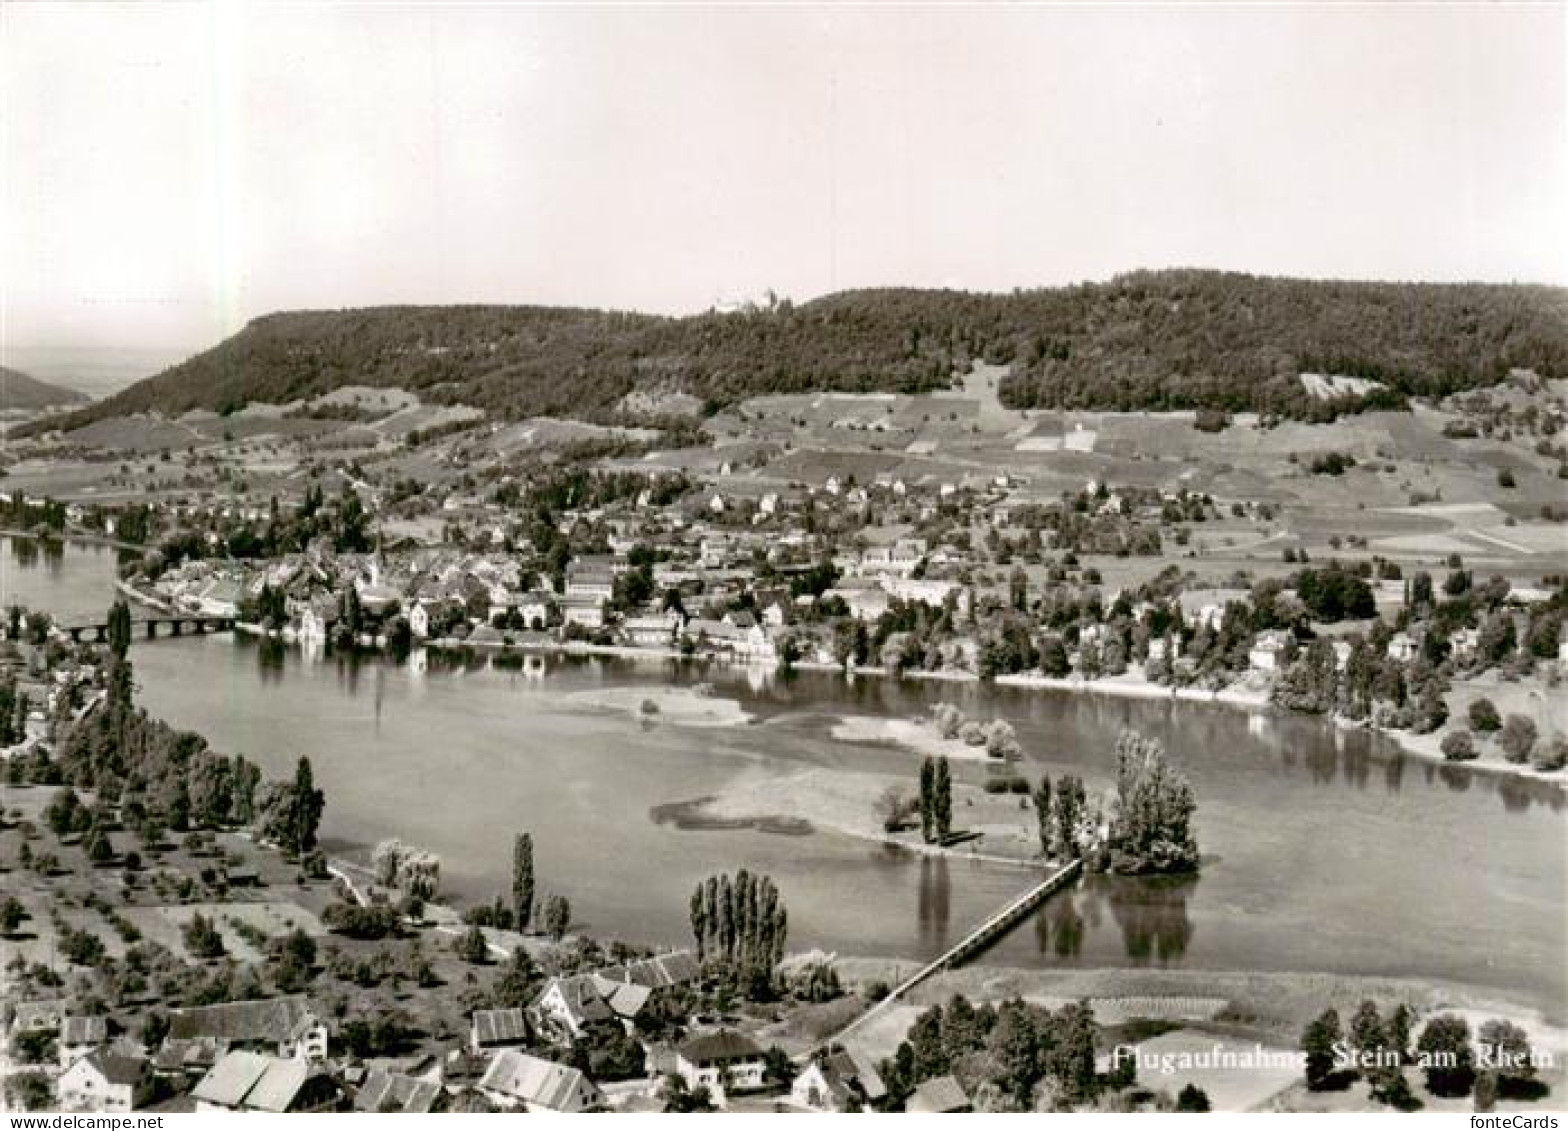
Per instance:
{"type": "Point", "coordinates": [170, 172]}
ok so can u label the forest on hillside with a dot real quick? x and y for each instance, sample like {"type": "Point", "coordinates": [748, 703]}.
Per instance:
{"type": "Point", "coordinates": [1147, 340]}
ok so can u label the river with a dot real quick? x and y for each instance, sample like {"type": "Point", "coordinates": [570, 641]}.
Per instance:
{"type": "Point", "coordinates": [1323, 850]}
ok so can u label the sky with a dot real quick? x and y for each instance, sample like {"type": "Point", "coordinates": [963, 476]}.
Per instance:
{"type": "Point", "coordinates": [169, 172]}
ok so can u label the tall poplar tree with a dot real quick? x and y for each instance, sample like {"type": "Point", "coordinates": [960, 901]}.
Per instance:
{"type": "Point", "coordinates": [523, 880]}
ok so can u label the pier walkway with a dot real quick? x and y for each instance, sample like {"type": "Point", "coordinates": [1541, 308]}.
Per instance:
{"type": "Point", "coordinates": [994, 926]}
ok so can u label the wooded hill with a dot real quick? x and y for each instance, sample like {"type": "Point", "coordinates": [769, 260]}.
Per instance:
{"type": "Point", "coordinates": [18, 391]}
{"type": "Point", "coordinates": [1147, 340]}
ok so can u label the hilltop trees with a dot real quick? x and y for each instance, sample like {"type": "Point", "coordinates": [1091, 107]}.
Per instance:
{"type": "Point", "coordinates": [740, 924]}
{"type": "Point", "coordinates": [1151, 828]}
{"type": "Point", "coordinates": [1148, 340]}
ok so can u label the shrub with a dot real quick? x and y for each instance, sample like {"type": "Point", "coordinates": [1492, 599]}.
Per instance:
{"type": "Point", "coordinates": [1517, 738]}
{"type": "Point", "coordinates": [1553, 755]}
{"type": "Point", "coordinates": [1458, 746]}
{"type": "Point", "coordinates": [1484, 716]}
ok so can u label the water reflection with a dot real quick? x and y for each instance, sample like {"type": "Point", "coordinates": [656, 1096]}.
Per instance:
{"type": "Point", "coordinates": [1393, 772]}
{"type": "Point", "coordinates": [933, 909]}
{"type": "Point", "coordinates": [271, 657]}
{"type": "Point", "coordinates": [1455, 778]}
{"type": "Point", "coordinates": [1152, 914]}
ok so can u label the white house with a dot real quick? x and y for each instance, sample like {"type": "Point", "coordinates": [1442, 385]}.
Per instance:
{"type": "Point", "coordinates": [654, 631]}
{"type": "Point", "coordinates": [720, 1060]}
{"type": "Point", "coordinates": [1268, 651]}
{"type": "Point", "coordinates": [568, 1006]}
{"type": "Point", "coordinates": [1402, 647]}
{"type": "Point", "coordinates": [101, 1082]}
{"type": "Point", "coordinates": [840, 1081]}
{"type": "Point", "coordinates": [534, 608]}
{"type": "Point", "coordinates": [585, 611]}
{"type": "Point", "coordinates": [1164, 649]}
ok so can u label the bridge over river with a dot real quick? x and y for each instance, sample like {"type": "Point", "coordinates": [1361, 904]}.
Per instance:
{"type": "Point", "coordinates": [147, 628]}
{"type": "Point", "coordinates": [992, 928]}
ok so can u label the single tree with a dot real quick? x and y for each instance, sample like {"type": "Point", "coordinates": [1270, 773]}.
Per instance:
{"type": "Point", "coordinates": [557, 916]}
{"type": "Point", "coordinates": [1042, 813]}
{"type": "Point", "coordinates": [1318, 1044]}
{"type": "Point", "coordinates": [1517, 738]}
{"type": "Point", "coordinates": [523, 881]}
{"type": "Point", "coordinates": [942, 800]}
{"type": "Point", "coordinates": [927, 798]}
{"type": "Point", "coordinates": [1446, 1056]}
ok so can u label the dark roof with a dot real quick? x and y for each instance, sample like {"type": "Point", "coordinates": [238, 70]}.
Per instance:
{"type": "Point", "coordinates": [123, 1070]}
{"type": "Point", "coordinates": [274, 1019]}
{"type": "Point", "coordinates": [719, 1046]}
{"type": "Point", "coordinates": [500, 1026]}
{"type": "Point", "coordinates": [84, 1030]}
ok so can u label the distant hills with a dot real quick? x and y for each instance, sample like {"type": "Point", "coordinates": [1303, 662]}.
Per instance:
{"type": "Point", "coordinates": [19, 392]}
{"type": "Point", "coordinates": [1146, 340]}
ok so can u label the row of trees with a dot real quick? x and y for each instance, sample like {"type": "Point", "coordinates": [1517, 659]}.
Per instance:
{"type": "Point", "coordinates": [1013, 1056]}
{"type": "Point", "coordinates": [1377, 1048]}
{"type": "Point", "coordinates": [936, 800]}
{"type": "Point", "coordinates": [165, 779]}
{"type": "Point", "coordinates": [740, 924]}
{"type": "Point", "coordinates": [1060, 817]}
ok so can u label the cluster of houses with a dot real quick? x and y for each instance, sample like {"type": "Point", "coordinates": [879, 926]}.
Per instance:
{"type": "Point", "coordinates": [276, 1055]}
{"type": "Point", "coordinates": [483, 599]}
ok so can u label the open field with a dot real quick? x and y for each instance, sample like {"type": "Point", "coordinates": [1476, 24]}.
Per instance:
{"type": "Point", "coordinates": [1235, 1075]}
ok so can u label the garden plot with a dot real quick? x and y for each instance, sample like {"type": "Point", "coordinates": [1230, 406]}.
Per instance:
{"type": "Point", "coordinates": [163, 925]}
{"type": "Point", "coordinates": [1235, 1075]}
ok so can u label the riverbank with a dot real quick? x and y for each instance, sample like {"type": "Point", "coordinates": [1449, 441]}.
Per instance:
{"type": "Point", "coordinates": [1274, 1006]}
{"type": "Point", "coordinates": [919, 736]}
{"type": "Point", "coordinates": [1132, 684]}
{"type": "Point", "coordinates": [681, 706]}
{"type": "Point", "coordinates": [850, 803]}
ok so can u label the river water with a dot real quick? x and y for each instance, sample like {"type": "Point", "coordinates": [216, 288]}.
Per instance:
{"type": "Point", "coordinates": [1323, 850]}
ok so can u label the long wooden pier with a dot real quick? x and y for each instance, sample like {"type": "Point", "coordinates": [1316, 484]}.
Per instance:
{"type": "Point", "coordinates": [994, 926]}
